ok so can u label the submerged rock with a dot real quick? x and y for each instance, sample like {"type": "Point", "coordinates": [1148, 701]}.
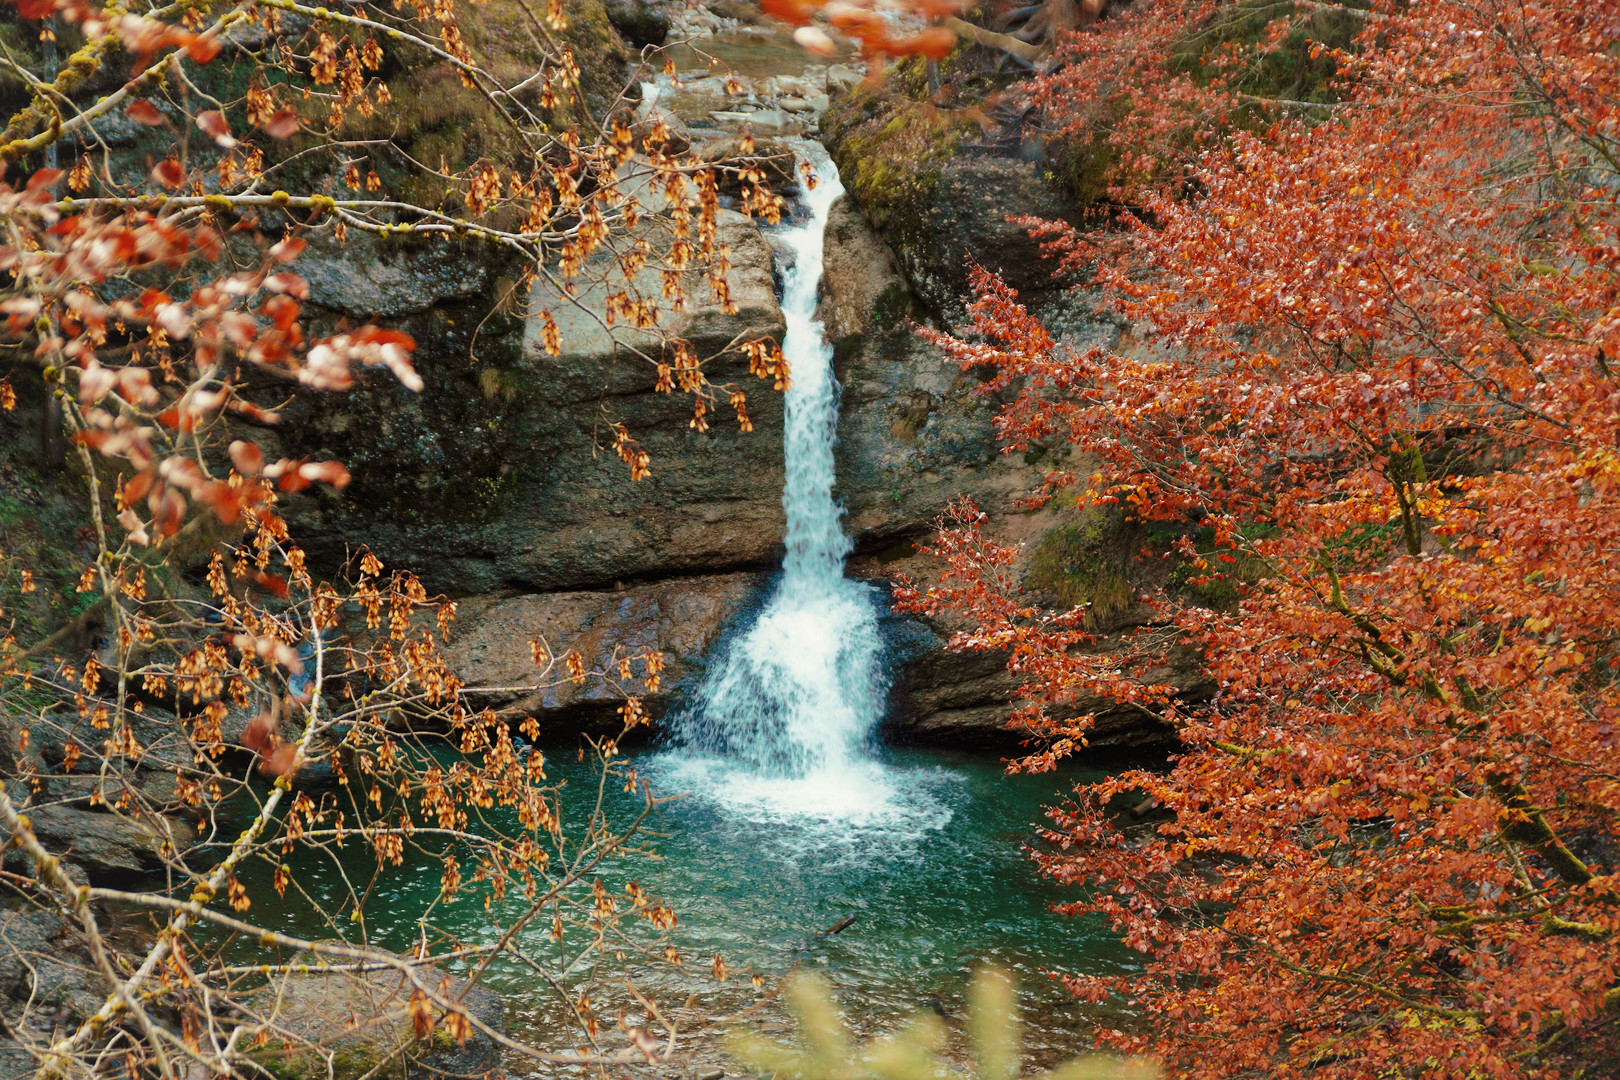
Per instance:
{"type": "Point", "coordinates": [344, 1025]}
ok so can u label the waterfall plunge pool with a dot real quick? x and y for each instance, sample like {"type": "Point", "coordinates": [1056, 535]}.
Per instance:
{"type": "Point", "coordinates": [938, 880]}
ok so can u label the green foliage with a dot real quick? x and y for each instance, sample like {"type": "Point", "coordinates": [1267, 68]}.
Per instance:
{"type": "Point", "coordinates": [1219, 585]}
{"type": "Point", "coordinates": [917, 1050]}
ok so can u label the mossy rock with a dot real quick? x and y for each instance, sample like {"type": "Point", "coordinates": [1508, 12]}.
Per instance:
{"type": "Point", "coordinates": [940, 203]}
{"type": "Point", "coordinates": [435, 118]}
{"type": "Point", "coordinates": [890, 150]}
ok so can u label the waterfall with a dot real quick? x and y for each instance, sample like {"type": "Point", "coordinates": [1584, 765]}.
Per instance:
{"type": "Point", "coordinates": [784, 719]}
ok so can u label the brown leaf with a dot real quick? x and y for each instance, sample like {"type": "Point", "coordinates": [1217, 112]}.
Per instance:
{"type": "Point", "coordinates": [213, 123]}
{"type": "Point", "coordinates": [169, 173]}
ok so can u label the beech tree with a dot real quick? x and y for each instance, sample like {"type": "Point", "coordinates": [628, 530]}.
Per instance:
{"type": "Point", "coordinates": [214, 696]}
{"type": "Point", "coordinates": [1371, 385]}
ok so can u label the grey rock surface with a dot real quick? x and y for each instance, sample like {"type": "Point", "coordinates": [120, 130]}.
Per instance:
{"type": "Point", "coordinates": [105, 845]}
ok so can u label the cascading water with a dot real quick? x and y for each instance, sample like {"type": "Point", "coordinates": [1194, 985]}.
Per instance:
{"type": "Point", "coordinates": [783, 723]}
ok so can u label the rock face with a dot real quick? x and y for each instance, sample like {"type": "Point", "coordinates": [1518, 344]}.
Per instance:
{"type": "Point", "coordinates": [105, 846]}
{"type": "Point", "coordinates": [49, 983]}
{"type": "Point", "coordinates": [500, 476]}
{"type": "Point", "coordinates": [345, 1024]}
{"type": "Point", "coordinates": [497, 485]}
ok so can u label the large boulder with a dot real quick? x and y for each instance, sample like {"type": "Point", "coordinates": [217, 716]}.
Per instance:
{"type": "Point", "coordinates": [500, 476]}
{"type": "Point", "coordinates": [107, 846]}
{"type": "Point", "coordinates": [681, 618]}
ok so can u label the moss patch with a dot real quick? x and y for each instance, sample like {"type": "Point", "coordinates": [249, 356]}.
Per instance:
{"type": "Point", "coordinates": [349, 1061]}
{"type": "Point", "coordinates": [1234, 44]}
{"type": "Point", "coordinates": [890, 150]}
{"type": "Point", "coordinates": [1221, 583]}
{"type": "Point", "coordinates": [1085, 562]}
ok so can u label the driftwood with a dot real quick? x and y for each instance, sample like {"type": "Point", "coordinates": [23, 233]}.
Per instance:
{"type": "Point", "coordinates": [1042, 23]}
{"type": "Point", "coordinates": [992, 40]}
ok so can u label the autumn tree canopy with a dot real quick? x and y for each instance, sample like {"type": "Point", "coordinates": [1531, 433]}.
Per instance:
{"type": "Point", "coordinates": [1368, 253]}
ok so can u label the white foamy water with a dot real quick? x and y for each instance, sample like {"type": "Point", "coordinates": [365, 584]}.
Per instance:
{"type": "Point", "coordinates": [782, 727]}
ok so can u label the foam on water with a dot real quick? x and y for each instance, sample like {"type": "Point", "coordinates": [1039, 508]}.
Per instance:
{"type": "Point", "coordinates": [782, 727]}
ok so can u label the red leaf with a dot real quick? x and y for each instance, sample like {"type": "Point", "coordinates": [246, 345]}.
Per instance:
{"type": "Point", "coordinates": [286, 250]}
{"type": "Point", "coordinates": [283, 125]}
{"type": "Point", "coordinates": [203, 49]}
{"type": "Point", "coordinates": [151, 299]}
{"type": "Point", "coordinates": [382, 335]}
{"type": "Point", "coordinates": [143, 112]}
{"type": "Point", "coordinates": [36, 9]}
{"type": "Point", "coordinates": [289, 283]}
{"type": "Point", "coordinates": [167, 514]}
{"type": "Point", "coordinates": [136, 486]}
{"type": "Point", "coordinates": [44, 178]}
{"type": "Point", "coordinates": [279, 762]}
{"type": "Point", "coordinates": [325, 472]}
{"type": "Point", "coordinates": [795, 12]}
{"type": "Point", "coordinates": [169, 173]}
{"type": "Point", "coordinates": [213, 123]}
{"type": "Point", "coordinates": [260, 734]}
{"type": "Point", "coordinates": [274, 584]}
{"type": "Point", "coordinates": [935, 42]}
{"type": "Point", "coordinates": [247, 457]}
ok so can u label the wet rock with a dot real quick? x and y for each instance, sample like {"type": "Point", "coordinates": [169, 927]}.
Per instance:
{"type": "Point", "coordinates": [362, 1022]}
{"type": "Point", "coordinates": [912, 433]}
{"type": "Point", "coordinates": [966, 700]}
{"type": "Point", "coordinates": [841, 76]}
{"type": "Point", "coordinates": [681, 618]}
{"type": "Point", "coordinates": [741, 12]}
{"type": "Point", "coordinates": [642, 22]}
{"type": "Point", "coordinates": [862, 289]}
{"type": "Point", "coordinates": [775, 159]}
